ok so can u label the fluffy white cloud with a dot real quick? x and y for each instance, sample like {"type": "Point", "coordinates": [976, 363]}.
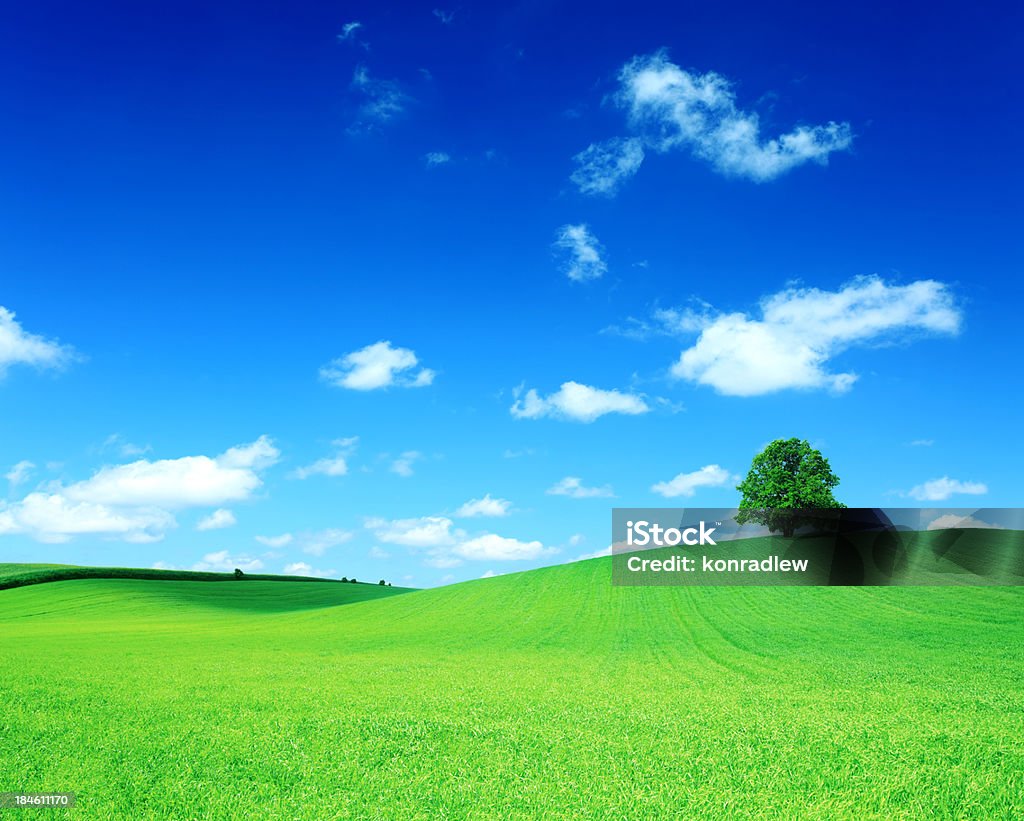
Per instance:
{"type": "Point", "coordinates": [304, 569]}
{"type": "Point", "coordinates": [20, 472]}
{"type": "Point", "coordinates": [219, 519]}
{"type": "Point", "coordinates": [490, 547]}
{"type": "Point", "coordinates": [602, 168]}
{"type": "Point", "coordinates": [336, 465]}
{"type": "Point", "coordinates": [223, 562]}
{"type": "Point", "coordinates": [403, 464]}
{"type": "Point", "coordinates": [426, 531]}
{"type": "Point", "coordinates": [190, 481]}
{"type": "Point", "coordinates": [573, 487]}
{"type": "Point", "coordinates": [484, 507]}
{"type": "Point", "coordinates": [443, 545]}
{"type": "Point", "coordinates": [686, 484]}
{"type": "Point", "coordinates": [948, 520]}
{"type": "Point", "coordinates": [436, 158]}
{"type": "Point", "coordinates": [578, 403]}
{"type": "Point", "coordinates": [19, 347]}
{"type": "Point", "coordinates": [53, 518]}
{"type": "Point", "coordinates": [670, 108]}
{"type": "Point", "coordinates": [383, 100]}
{"type": "Point", "coordinates": [801, 329]}
{"type": "Point", "coordinates": [275, 541]}
{"type": "Point", "coordinates": [584, 254]}
{"type": "Point", "coordinates": [377, 366]}
{"type": "Point", "coordinates": [132, 502]}
{"type": "Point", "coordinates": [938, 489]}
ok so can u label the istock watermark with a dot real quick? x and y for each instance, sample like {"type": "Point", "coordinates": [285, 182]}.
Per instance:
{"type": "Point", "coordinates": [834, 546]}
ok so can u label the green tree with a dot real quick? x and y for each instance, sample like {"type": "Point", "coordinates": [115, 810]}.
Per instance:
{"type": "Point", "coordinates": [788, 480]}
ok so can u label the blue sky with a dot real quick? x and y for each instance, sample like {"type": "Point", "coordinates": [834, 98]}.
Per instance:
{"type": "Point", "coordinates": [318, 287]}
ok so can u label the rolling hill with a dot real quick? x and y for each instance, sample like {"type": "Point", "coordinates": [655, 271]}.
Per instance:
{"type": "Point", "coordinates": [549, 693]}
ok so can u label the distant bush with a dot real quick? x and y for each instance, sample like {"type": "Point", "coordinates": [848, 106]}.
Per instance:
{"type": "Point", "coordinates": [344, 578]}
{"type": "Point", "coordinates": [353, 581]}
{"type": "Point", "coordinates": [382, 583]}
{"type": "Point", "coordinates": [238, 573]}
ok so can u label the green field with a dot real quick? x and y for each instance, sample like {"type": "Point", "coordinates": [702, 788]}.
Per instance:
{"type": "Point", "coordinates": [546, 694]}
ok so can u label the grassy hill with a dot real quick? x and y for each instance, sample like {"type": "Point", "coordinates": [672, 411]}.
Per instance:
{"type": "Point", "coordinates": [549, 694]}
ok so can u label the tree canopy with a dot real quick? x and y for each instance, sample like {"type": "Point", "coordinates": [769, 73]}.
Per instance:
{"type": "Point", "coordinates": [787, 481]}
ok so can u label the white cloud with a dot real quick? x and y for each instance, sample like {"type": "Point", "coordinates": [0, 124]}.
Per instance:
{"type": "Point", "coordinates": [379, 553]}
{"type": "Point", "coordinates": [669, 108]}
{"type": "Point", "coordinates": [484, 507]}
{"type": "Point", "coordinates": [53, 518]}
{"type": "Point", "coordinates": [576, 402]}
{"type": "Point", "coordinates": [220, 518]}
{"type": "Point", "coordinates": [318, 542]}
{"type": "Point", "coordinates": [446, 17]}
{"type": "Point", "coordinates": [922, 443]}
{"type": "Point", "coordinates": [132, 501]}
{"type": "Point", "coordinates": [426, 531]}
{"type": "Point", "coordinates": [20, 472]}
{"type": "Point", "coordinates": [190, 481]}
{"type": "Point", "coordinates": [938, 489]}
{"type": "Point", "coordinates": [124, 447]}
{"type": "Point", "coordinates": [403, 464]}
{"type": "Point", "coordinates": [490, 574]}
{"type": "Point", "coordinates": [383, 100]}
{"type": "Point", "coordinates": [336, 465]}
{"type": "Point", "coordinates": [275, 541]}
{"type": "Point", "coordinates": [955, 520]}
{"type": "Point", "coordinates": [597, 554]}
{"type": "Point", "coordinates": [377, 366]}
{"type": "Point", "coordinates": [18, 347]}
{"type": "Point", "coordinates": [686, 484]}
{"type": "Point", "coordinates": [491, 547]}
{"type": "Point", "coordinates": [584, 254]}
{"type": "Point", "coordinates": [604, 167]}
{"type": "Point", "coordinates": [223, 562]}
{"type": "Point", "coordinates": [436, 158]}
{"type": "Point", "coordinates": [444, 545]}
{"type": "Point", "coordinates": [573, 487]}
{"type": "Point", "coordinates": [304, 569]}
{"type": "Point", "coordinates": [349, 31]}
{"type": "Point", "coordinates": [801, 329]}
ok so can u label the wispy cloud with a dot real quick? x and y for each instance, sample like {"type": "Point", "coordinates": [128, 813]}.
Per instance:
{"type": "Point", "coordinates": [446, 17]}
{"type": "Point", "coordinates": [669, 108]}
{"type": "Point", "coordinates": [801, 329]}
{"type": "Point", "coordinates": [20, 472]}
{"type": "Point", "coordinates": [577, 403]}
{"type": "Point", "coordinates": [436, 158]}
{"type": "Point", "coordinates": [377, 366]}
{"type": "Point", "coordinates": [687, 484]}
{"type": "Point", "coordinates": [350, 33]}
{"type": "Point", "coordinates": [19, 347]}
{"type": "Point", "coordinates": [584, 255]}
{"type": "Point", "coordinates": [222, 561]}
{"type": "Point", "coordinates": [937, 490]}
{"type": "Point", "coordinates": [275, 541]}
{"type": "Point", "coordinates": [573, 487]}
{"type": "Point", "coordinates": [334, 465]}
{"type": "Point", "coordinates": [383, 100]}
{"type": "Point", "coordinates": [403, 465]}
{"type": "Point", "coordinates": [602, 168]}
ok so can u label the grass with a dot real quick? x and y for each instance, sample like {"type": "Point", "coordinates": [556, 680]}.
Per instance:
{"type": "Point", "coordinates": [547, 694]}
{"type": "Point", "coordinates": [20, 575]}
